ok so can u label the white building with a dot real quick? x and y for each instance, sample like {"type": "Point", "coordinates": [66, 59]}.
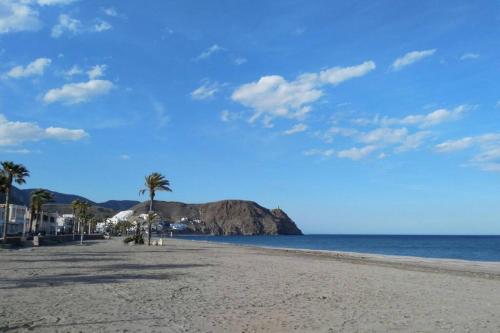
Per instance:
{"type": "Point", "coordinates": [121, 216]}
{"type": "Point", "coordinates": [18, 219]}
{"type": "Point", "coordinates": [178, 226]}
{"type": "Point", "coordinates": [65, 223]}
{"type": "Point", "coordinates": [47, 223]}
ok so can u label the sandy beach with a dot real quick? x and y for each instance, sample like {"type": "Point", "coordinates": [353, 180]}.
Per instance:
{"type": "Point", "coordinates": [186, 286]}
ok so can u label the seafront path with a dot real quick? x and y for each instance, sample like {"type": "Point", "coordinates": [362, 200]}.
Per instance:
{"type": "Point", "coordinates": [186, 286]}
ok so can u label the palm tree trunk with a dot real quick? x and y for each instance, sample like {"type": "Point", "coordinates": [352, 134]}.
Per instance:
{"type": "Point", "coordinates": [81, 234]}
{"type": "Point", "coordinates": [149, 233]}
{"type": "Point", "coordinates": [35, 213]}
{"type": "Point", "coordinates": [6, 212]}
{"type": "Point", "coordinates": [32, 215]}
{"type": "Point", "coordinates": [151, 199]}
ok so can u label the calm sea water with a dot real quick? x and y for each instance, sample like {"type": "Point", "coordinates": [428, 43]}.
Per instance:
{"type": "Point", "coordinates": [478, 248]}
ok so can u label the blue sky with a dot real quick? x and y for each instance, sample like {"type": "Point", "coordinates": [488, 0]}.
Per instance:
{"type": "Point", "coordinates": [353, 116]}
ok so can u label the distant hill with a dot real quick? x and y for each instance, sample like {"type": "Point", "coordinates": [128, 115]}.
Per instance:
{"type": "Point", "coordinates": [226, 217]}
{"type": "Point", "coordinates": [97, 211]}
{"type": "Point", "coordinates": [22, 197]}
{"type": "Point", "coordinates": [118, 205]}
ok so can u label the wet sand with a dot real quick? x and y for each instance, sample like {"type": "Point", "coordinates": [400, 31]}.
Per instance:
{"type": "Point", "coordinates": [186, 286]}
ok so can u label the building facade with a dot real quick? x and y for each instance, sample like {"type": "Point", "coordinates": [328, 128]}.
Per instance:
{"type": "Point", "coordinates": [65, 223]}
{"type": "Point", "coordinates": [18, 222]}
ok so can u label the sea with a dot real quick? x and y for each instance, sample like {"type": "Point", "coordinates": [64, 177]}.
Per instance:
{"type": "Point", "coordinates": [475, 248]}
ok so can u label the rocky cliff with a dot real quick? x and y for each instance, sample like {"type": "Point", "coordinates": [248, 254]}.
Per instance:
{"type": "Point", "coordinates": [227, 217]}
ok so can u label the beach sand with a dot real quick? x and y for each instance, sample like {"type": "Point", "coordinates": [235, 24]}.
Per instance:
{"type": "Point", "coordinates": [186, 286]}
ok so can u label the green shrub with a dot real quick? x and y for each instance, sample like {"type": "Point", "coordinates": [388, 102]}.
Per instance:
{"type": "Point", "coordinates": [128, 239]}
{"type": "Point", "coordinates": [137, 239]}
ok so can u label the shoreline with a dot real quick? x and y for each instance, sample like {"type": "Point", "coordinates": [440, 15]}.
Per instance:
{"type": "Point", "coordinates": [491, 269]}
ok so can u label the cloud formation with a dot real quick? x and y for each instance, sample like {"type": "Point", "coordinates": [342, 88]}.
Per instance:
{"type": "Point", "coordinates": [356, 153]}
{"type": "Point", "coordinates": [18, 16]}
{"type": "Point", "coordinates": [485, 147]}
{"type": "Point", "coordinates": [36, 67]}
{"type": "Point", "coordinates": [274, 96]}
{"type": "Point", "coordinates": [110, 12]}
{"type": "Point", "coordinates": [470, 56]}
{"type": "Point", "coordinates": [55, 2]}
{"type": "Point", "coordinates": [410, 58]}
{"type": "Point", "coordinates": [96, 71]}
{"type": "Point", "coordinates": [66, 24]}
{"type": "Point", "coordinates": [431, 119]}
{"type": "Point", "coordinates": [102, 26]}
{"type": "Point", "coordinates": [74, 93]}
{"type": "Point", "coordinates": [206, 90]}
{"type": "Point", "coordinates": [14, 133]}
{"type": "Point", "coordinates": [208, 52]}
{"type": "Point", "coordinates": [296, 129]}
{"type": "Point", "coordinates": [391, 135]}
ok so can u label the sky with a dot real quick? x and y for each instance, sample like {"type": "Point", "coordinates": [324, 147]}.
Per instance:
{"type": "Point", "coordinates": [352, 116]}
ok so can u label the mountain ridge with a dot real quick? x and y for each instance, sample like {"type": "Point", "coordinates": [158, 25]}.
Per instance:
{"type": "Point", "coordinates": [22, 197]}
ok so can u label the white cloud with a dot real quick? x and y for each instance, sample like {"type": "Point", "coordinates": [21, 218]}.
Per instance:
{"type": "Point", "coordinates": [208, 52]}
{"type": "Point", "coordinates": [54, 2]}
{"type": "Point", "coordinates": [64, 133]}
{"type": "Point", "coordinates": [493, 167]}
{"type": "Point", "coordinates": [110, 12]}
{"type": "Point", "coordinates": [486, 149]}
{"type": "Point", "coordinates": [240, 61]}
{"type": "Point", "coordinates": [18, 16]}
{"type": "Point", "coordinates": [75, 70]}
{"type": "Point", "coordinates": [276, 97]}
{"type": "Point", "coordinates": [66, 24]}
{"type": "Point", "coordinates": [320, 152]}
{"type": "Point", "coordinates": [329, 135]}
{"type": "Point", "coordinates": [382, 155]}
{"type": "Point", "coordinates": [436, 117]}
{"type": "Point", "coordinates": [356, 153]}
{"type": "Point", "coordinates": [73, 93]}
{"type": "Point", "coordinates": [37, 67]}
{"type": "Point", "coordinates": [227, 116]}
{"type": "Point", "coordinates": [102, 26]}
{"type": "Point", "coordinates": [410, 58]}
{"type": "Point", "coordinates": [206, 90]}
{"type": "Point", "coordinates": [384, 135]}
{"type": "Point", "coordinates": [125, 157]}
{"type": "Point", "coordinates": [469, 56]}
{"type": "Point", "coordinates": [454, 145]}
{"type": "Point", "coordinates": [23, 151]}
{"type": "Point", "coordinates": [96, 71]}
{"type": "Point", "coordinates": [412, 141]}
{"type": "Point", "coordinates": [337, 75]}
{"type": "Point", "coordinates": [162, 117]}
{"type": "Point", "coordinates": [14, 132]}
{"type": "Point", "coordinates": [296, 129]}
{"type": "Point", "coordinates": [484, 140]}
{"type": "Point", "coordinates": [431, 119]}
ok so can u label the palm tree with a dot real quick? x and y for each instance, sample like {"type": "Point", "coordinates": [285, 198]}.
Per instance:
{"type": "Point", "coordinates": [75, 204]}
{"type": "Point", "coordinates": [37, 200]}
{"type": "Point", "coordinates": [154, 182]}
{"type": "Point", "coordinates": [83, 216]}
{"type": "Point", "coordinates": [13, 173]}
